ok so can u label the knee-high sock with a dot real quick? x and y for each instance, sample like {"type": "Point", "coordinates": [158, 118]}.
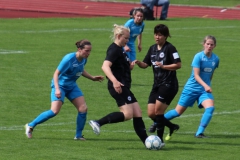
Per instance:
{"type": "Point", "coordinates": [171, 114]}
{"type": "Point", "coordinates": [113, 117]}
{"type": "Point", "coordinates": [168, 123]}
{"type": "Point", "coordinates": [207, 116]}
{"type": "Point", "coordinates": [44, 116]}
{"type": "Point", "coordinates": [160, 125]}
{"type": "Point", "coordinates": [139, 128]}
{"type": "Point", "coordinates": [81, 120]}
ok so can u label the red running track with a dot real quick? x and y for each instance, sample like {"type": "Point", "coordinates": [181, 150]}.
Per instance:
{"type": "Point", "coordinates": [77, 8]}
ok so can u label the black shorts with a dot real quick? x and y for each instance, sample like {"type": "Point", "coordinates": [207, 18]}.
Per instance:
{"type": "Point", "coordinates": [126, 97]}
{"type": "Point", "coordinates": [164, 93]}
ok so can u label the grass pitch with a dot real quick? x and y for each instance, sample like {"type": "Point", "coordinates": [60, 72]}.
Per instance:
{"type": "Point", "coordinates": [30, 50]}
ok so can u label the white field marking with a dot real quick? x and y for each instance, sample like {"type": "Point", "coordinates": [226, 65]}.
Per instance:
{"type": "Point", "coordinates": [108, 29]}
{"type": "Point", "coordinates": [3, 51]}
{"type": "Point", "coordinates": [146, 118]}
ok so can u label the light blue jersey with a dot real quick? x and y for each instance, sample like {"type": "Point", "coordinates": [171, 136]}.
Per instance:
{"type": "Point", "coordinates": [70, 70]}
{"type": "Point", "coordinates": [192, 90]}
{"type": "Point", "coordinates": [135, 30]}
{"type": "Point", "coordinates": [207, 65]}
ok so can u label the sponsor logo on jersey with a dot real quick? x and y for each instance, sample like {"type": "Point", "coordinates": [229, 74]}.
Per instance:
{"type": "Point", "coordinates": [75, 65]}
{"type": "Point", "coordinates": [78, 74]}
{"type": "Point", "coordinates": [207, 69]}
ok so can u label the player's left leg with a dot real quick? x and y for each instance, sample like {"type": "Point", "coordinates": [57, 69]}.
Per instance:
{"type": "Point", "coordinates": [206, 117]}
{"type": "Point", "coordinates": [138, 123]}
{"type": "Point", "coordinates": [206, 101]}
{"type": "Point", "coordinates": [77, 99]}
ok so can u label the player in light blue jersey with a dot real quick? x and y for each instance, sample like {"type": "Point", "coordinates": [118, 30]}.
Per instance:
{"type": "Point", "coordinates": [64, 85]}
{"type": "Point", "coordinates": [198, 87]}
{"type": "Point", "coordinates": [136, 26]}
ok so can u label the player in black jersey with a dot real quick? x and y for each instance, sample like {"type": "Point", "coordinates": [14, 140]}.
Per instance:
{"type": "Point", "coordinates": [117, 69]}
{"type": "Point", "coordinates": [164, 59]}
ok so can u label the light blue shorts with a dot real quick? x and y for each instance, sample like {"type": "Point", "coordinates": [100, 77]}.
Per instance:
{"type": "Point", "coordinates": [70, 94]}
{"type": "Point", "coordinates": [188, 98]}
{"type": "Point", "coordinates": [132, 54]}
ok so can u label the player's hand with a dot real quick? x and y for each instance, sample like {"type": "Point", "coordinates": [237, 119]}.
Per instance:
{"type": "Point", "coordinates": [118, 87]}
{"type": "Point", "coordinates": [139, 48]}
{"type": "Point", "coordinates": [98, 78]}
{"type": "Point", "coordinates": [126, 48]}
{"type": "Point", "coordinates": [58, 93]}
{"type": "Point", "coordinates": [208, 89]}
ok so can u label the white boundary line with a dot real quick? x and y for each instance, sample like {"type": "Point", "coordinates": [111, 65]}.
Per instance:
{"type": "Point", "coordinates": [146, 118]}
{"type": "Point", "coordinates": [3, 51]}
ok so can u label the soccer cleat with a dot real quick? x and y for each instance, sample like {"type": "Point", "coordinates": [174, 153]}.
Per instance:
{"type": "Point", "coordinates": [95, 126]}
{"type": "Point", "coordinates": [28, 131]}
{"type": "Point", "coordinates": [171, 131]}
{"type": "Point", "coordinates": [201, 135]}
{"type": "Point", "coordinates": [80, 138]}
{"type": "Point", "coordinates": [152, 128]}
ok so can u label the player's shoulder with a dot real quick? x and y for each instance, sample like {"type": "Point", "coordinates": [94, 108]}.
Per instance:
{"type": "Point", "coordinates": [129, 22]}
{"type": "Point", "coordinates": [69, 56]}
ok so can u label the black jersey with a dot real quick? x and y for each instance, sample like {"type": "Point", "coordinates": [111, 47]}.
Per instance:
{"type": "Point", "coordinates": [167, 55]}
{"type": "Point", "coordinates": [120, 64]}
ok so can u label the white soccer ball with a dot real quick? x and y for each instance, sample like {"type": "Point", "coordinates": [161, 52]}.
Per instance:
{"type": "Point", "coordinates": [153, 142]}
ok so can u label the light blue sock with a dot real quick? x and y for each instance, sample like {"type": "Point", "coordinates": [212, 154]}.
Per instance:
{"type": "Point", "coordinates": [171, 114]}
{"type": "Point", "coordinates": [81, 120]}
{"type": "Point", "coordinates": [44, 116]}
{"type": "Point", "coordinates": [207, 115]}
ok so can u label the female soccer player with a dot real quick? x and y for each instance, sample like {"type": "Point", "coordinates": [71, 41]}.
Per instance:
{"type": "Point", "coordinates": [165, 60]}
{"type": "Point", "coordinates": [116, 66]}
{"type": "Point", "coordinates": [64, 85]}
{"type": "Point", "coordinates": [136, 26]}
{"type": "Point", "coordinates": [198, 87]}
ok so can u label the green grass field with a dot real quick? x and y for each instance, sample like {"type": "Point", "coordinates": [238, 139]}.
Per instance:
{"type": "Point", "coordinates": [30, 50]}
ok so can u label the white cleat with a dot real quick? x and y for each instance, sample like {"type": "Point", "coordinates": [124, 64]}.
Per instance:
{"type": "Point", "coordinates": [95, 126]}
{"type": "Point", "coordinates": [80, 138]}
{"type": "Point", "coordinates": [162, 145]}
{"type": "Point", "coordinates": [28, 131]}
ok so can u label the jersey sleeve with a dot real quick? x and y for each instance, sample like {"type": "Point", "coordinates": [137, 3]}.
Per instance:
{"type": "Point", "coordinates": [112, 55]}
{"type": "Point", "coordinates": [174, 54]}
{"type": "Point", "coordinates": [196, 61]}
{"type": "Point", "coordinates": [147, 58]}
{"type": "Point", "coordinates": [64, 64]}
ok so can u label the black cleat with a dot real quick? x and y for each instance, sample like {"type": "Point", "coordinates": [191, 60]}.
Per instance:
{"type": "Point", "coordinates": [152, 128]}
{"type": "Point", "coordinates": [171, 131]}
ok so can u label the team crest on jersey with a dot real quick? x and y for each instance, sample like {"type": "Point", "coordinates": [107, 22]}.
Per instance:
{"type": "Point", "coordinates": [129, 98]}
{"type": "Point", "coordinates": [213, 63]}
{"type": "Point", "coordinates": [161, 55]}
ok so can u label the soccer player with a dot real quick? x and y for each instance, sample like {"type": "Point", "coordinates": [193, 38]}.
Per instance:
{"type": "Point", "coordinates": [198, 87]}
{"type": "Point", "coordinates": [136, 26]}
{"type": "Point", "coordinates": [116, 66]}
{"type": "Point", "coordinates": [64, 85]}
{"type": "Point", "coordinates": [165, 60]}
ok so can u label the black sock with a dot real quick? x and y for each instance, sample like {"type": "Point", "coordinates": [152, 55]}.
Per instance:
{"type": "Point", "coordinates": [140, 129]}
{"type": "Point", "coordinates": [154, 120]}
{"type": "Point", "coordinates": [160, 125]}
{"type": "Point", "coordinates": [168, 123]}
{"type": "Point", "coordinates": [113, 117]}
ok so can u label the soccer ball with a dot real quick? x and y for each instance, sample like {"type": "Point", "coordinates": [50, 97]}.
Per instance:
{"type": "Point", "coordinates": [153, 142]}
